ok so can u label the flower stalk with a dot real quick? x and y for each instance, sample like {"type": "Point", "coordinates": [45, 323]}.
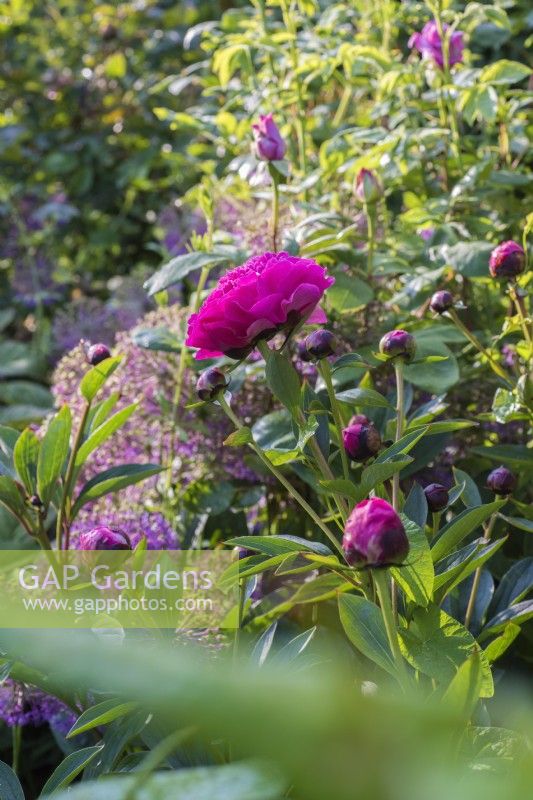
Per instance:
{"type": "Point", "coordinates": [472, 338]}
{"type": "Point", "coordinates": [381, 582]}
{"type": "Point", "coordinates": [325, 371]}
{"type": "Point", "coordinates": [477, 575]}
{"type": "Point", "coordinates": [400, 411]}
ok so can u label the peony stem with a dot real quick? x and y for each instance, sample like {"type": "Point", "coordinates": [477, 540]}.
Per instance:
{"type": "Point", "coordinates": [290, 24]}
{"type": "Point", "coordinates": [281, 478]}
{"type": "Point", "coordinates": [400, 401]}
{"type": "Point", "coordinates": [435, 520]}
{"type": "Point", "coordinates": [370, 212]}
{"type": "Point", "coordinates": [325, 371]}
{"type": "Point", "coordinates": [452, 313]}
{"type": "Point", "coordinates": [477, 575]}
{"type": "Point", "coordinates": [522, 314]}
{"type": "Point", "coordinates": [275, 208]}
{"type": "Point", "coordinates": [63, 536]}
{"type": "Point", "coordinates": [381, 583]}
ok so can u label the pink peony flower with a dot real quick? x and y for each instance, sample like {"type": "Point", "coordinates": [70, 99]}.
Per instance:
{"type": "Point", "coordinates": [270, 293]}
{"type": "Point", "coordinates": [429, 43]}
{"type": "Point", "coordinates": [507, 260]}
{"type": "Point", "coordinates": [269, 144]}
{"type": "Point", "coordinates": [374, 535]}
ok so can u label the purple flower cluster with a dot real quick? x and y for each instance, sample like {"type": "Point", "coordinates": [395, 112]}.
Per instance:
{"type": "Point", "coordinates": [23, 704]}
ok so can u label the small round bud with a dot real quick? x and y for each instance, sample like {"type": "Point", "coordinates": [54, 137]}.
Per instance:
{"type": "Point", "coordinates": [321, 344]}
{"type": "Point", "coordinates": [269, 144]}
{"type": "Point", "coordinates": [36, 501]}
{"type": "Point", "coordinates": [502, 481]}
{"type": "Point", "coordinates": [368, 188]}
{"type": "Point", "coordinates": [361, 439]}
{"type": "Point", "coordinates": [398, 343]}
{"type": "Point", "coordinates": [374, 535]}
{"type": "Point", "coordinates": [104, 538]}
{"type": "Point", "coordinates": [211, 382]}
{"type": "Point", "coordinates": [437, 496]}
{"type": "Point", "coordinates": [97, 353]}
{"type": "Point", "coordinates": [508, 260]}
{"type": "Point", "coordinates": [441, 301]}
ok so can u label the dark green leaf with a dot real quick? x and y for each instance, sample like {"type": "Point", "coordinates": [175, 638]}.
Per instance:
{"type": "Point", "coordinates": [10, 788]}
{"type": "Point", "coordinates": [461, 526]}
{"type": "Point", "coordinates": [93, 380]}
{"type": "Point", "coordinates": [366, 398]}
{"type": "Point", "coordinates": [25, 456]}
{"type": "Point", "coordinates": [53, 453]}
{"type": "Point", "coordinates": [283, 380]}
{"type": "Point", "coordinates": [69, 769]}
{"type": "Point", "coordinates": [364, 627]}
{"type": "Point", "coordinates": [100, 714]}
{"type": "Point", "coordinates": [112, 480]}
{"type": "Point", "coordinates": [103, 432]}
{"type": "Point", "coordinates": [180, 266]}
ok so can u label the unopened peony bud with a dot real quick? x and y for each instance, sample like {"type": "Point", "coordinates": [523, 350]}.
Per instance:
{"type": "Point", "coordinates": [104, 538]}
{"type": "Point", "coordinates": [211, 382]}
{"type": "Point", "coordinates": [36, 501]}
{"type": "Point", "coordinates": [502, 481]}
{"type": "Point", "coordinates": [97, 353]}
{"type": "Point", "coordinates": [398, 343]}
{"type": "Point", "coordinates": [441, 301]}
{"type": "Point", "coordinates": [269, 145]}
{"type": "Point", "coordinates": [508, 260]}
{"type": "Point", "coordinates": [368, 188]}
{"type": "Point", "coordinates": [361, 438]}
{"type": "Point", "coordinates": [321, 344]}
{"type": "Point", "coordinates": [437, 496]}
{"type": "Point", "coordinates": [374, 535]}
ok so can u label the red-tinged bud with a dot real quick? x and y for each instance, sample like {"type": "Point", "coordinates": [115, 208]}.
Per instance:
{"type": "Point", "coordinates": [437, 496]}
{"type": "Point", "coordinates": [508, 260]}
{"type": "Point", "coordinates": [398, 343]}
{"type": "Point", "coordinates": [97, 353]}
{"type": "Point", "coordinates": [211, 382]}
{"type": "Point", "coordinates": [502, 481]}
{"type": "Point", "coordinates": [374, 535]}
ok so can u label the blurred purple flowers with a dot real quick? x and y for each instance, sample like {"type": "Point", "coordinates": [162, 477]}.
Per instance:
{"type": "Point", "coordinates": [428, 42]}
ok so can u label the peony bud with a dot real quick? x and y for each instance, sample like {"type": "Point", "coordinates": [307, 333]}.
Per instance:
{"type": "Point", "coordinates": [269, 145]}
{"type": "Point", "coordinates": [441, 301]}
{"type": "Point", "coordinates": [210, 383]}
{"type": "Point", "coordinates": [321, 344]}
{"type": "Point", "coordinates": [104, 538]}
{"type": "Point", "coordinates": [36, 501]}
{"type": "Point", "coordinates": [398, 343]}
{"type": "Point", "coordinates": [437, 496]}
{"type": "Point", "coordinates": [374, 535]}
{"type": "Point", "coordinates": [97, 353]}
{"type": "Point", "coordinates": [508, 260]}
{"type": "Point", "coordinates": [368, 188]}
{"type": "Point", "coordinates": [361, 438]}
{"type": "Point", "coordinates": [502, 481]}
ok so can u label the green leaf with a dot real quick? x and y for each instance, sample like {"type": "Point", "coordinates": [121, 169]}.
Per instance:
{"type": "Point", "coordinates": [283, 380]}
{"type": "Point", "coordinates": [159, 339]}
{"type": "Point", "coordinates": [235, 781]}
{"type": "Point", "coordinates": [514, 455]}
{"type": "Point", "coordinates": [434, 377]}
{"type": "Point", "coordinates": [403, 445]}
{"type": "Point", "coordinates": [366, 398]}
{"type": "Point", "coordinates": [364, 627]}
{"type": "Point", "coordinates": [103, 432]}
{"type": "Point", "coordinates": [53, 453]}
{"type": "Point", "coordinates": [25, 456]}
{"type": "Point", "coordinates": [93, 380]}
{"type": "Point", "coordinates": [294, 647]}
{"type": "Point", "coordinates": [100, 714]}
{"type": "Point", "coordinates": [10, 497]}
{"type": "Point", "coordinates": [463, 692]}
{"type": "Point", "coordinates": [112, 480]}
{"type": "Point", "coordinates": [417, 575]}
{"type": "Point", "coordinates": [416, 505]}
{"type": "Point", "coordinates": [100, 411]}
{"type": "Point", "coordinates": [454, 569]}
{"type": "Point", "coordinates": [518, 614]}
{"type": "Point", "coordinates": [69, 769]}
{"type": "Point", "coordinates": [239, 438]}
{"type": "Point", "coordinates": [437, 645]}
{"type": "Point", "coordinates": [470, 259]}
{"type": "Point", "coordinates": [277, 545]}
{"type": "Point", "coordinates": [10, 788]}
{"type": "Point", "coordinates": [495, 649]}
{"type": "Point", "coordinates": [504, 72]}
{"type": "Point", "coordinates": [348, 293]}
{"type": "Point", "coordinates": [349, 360]}
{"type": "Point", "coordinates": [470, 495]}
{"type": "Point", "coordinates": [263, 645]}
{"type": "Point", "coordinates": [180, 266]}
{"type": "Point", "coordinates": [515, 584]}
{"type": "Point", "coordinates": [306, 431]}
{"type": "Point", "coordinates": [461, 526]}
{"type": "Point", "coordinates": [521, 523]}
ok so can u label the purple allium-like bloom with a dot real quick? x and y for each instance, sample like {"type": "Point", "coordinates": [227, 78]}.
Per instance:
{"type": "Point", "coordinates": [507, 260]}
{"type": "Point", "coordinates": [211, 382]}
{"type": "Point", "coordinates": [361, 438]}
{"type": "Point", "coordinates": [104, 538]}
{"type": "Point", "coordinates": [427, 234]}
{"type": "Point", "coordinates": [441, 301]}
{"type": "Point", "coordinates": [510, 356]}
{"type": "Point", "coordinates": [502, 481]}
{"type": "Point", "coordinates": [437, 496]}
{"type": "Point", "coordinates": [23, 704]}
{"type": "Point", "coordinates": [321, 344]}
{"type": "Point", "coordinates": [269, 293]}
{"type": "Point", "coordinates": [97, 353]}
{"type": "Point", "coordinates": [429, 43]}
{"type": "Point", "coordinates": [269, 144]}
{"type": "Point", "coordinates": [91, 319]}
{"type": "Point", "coordinates": [368, 188]}
{"type": "Point", "coordinates": [374, 535]}
{"type": "Point", "coordinates": [398, 343]}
